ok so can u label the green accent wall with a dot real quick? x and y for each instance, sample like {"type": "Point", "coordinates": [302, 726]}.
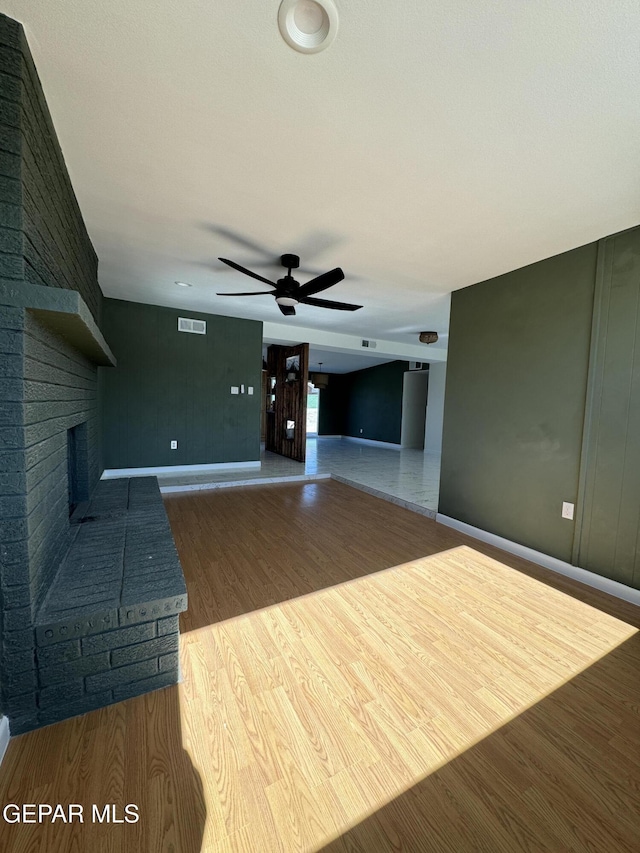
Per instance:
{"type": "Point", "coordinates": [608, 540]}
{"type": "Point", "coordinates": [175, 385]}
{"type": "Point", "coordinates": [369, 400]}
{"type": "Point", "coordinates": [515, 400]}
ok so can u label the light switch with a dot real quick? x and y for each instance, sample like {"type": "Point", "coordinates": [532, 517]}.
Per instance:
{"type": "Point", "coordinates": [567, 510]}
{"type": "Point", "coordinates": [235, 389]}
{"type": "Point", "coordinates": [242, 389]}
{"type": "Point", "coordinates": [250, 389]}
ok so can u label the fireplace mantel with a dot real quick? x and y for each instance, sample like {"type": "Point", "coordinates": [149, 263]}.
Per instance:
{"type": "Point", "coordinates": [62, 311]}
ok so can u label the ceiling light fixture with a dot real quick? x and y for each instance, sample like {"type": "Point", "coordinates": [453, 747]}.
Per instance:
{"type": "Point", "coordinates": [428, 337]}
{"type": "Point", "coordinates": [308, 26]}
{"type": "Point", "coordinates": [183, 284]}
{"type": "Point", "coordinates": [286, 300]}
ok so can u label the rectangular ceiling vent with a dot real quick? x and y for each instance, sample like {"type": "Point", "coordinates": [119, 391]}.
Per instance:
{"type": "Point", "coordinates": [196, 327]}
{"type": "Point", "coordinates": [369, 344]}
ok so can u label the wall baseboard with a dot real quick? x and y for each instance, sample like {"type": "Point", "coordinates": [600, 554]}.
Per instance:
{"type": "Point", "coordinates": [5, 736]}
{"type": "Point", "coordinates": [114, 473]}
{"type": "Point", "coordinates": [372, 442]}
{"type": "Point", "coordinates": [619, 590]}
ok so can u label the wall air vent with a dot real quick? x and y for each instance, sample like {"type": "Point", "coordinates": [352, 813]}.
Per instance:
{"type": "Point", "coordinates": [369, 344]}
{"type": "Point", "coordinates": [196, 327]}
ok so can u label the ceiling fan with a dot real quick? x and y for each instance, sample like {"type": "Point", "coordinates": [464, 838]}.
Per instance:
{"type": "Point", "coordinates": [288, 292]}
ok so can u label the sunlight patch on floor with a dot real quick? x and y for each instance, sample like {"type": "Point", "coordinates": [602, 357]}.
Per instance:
{"type": "Point", "coordinates": [306, 717]}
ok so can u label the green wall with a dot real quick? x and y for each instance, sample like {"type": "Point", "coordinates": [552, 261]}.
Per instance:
{"type": "Point", "coordinates": [369, 400]}
{"type": "Point", "coordinates": [608, 535]}
{"type": "Point", "coordinates": [174, 385]}
{"type": "Point", "coordinates": [515, 400]}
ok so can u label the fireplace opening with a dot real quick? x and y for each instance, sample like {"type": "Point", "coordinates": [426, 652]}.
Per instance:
{"type": "Point", "coordinates": [77, 465]}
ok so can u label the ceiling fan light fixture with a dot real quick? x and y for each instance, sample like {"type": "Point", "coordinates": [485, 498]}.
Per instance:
{"type": "Point", "coordinates": [286, 300]}
{"type": "Point", "coordinates": [308, 26]}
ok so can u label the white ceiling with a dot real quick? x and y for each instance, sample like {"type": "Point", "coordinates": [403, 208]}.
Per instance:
{"type": "Point", "coordinates": [433, 145]}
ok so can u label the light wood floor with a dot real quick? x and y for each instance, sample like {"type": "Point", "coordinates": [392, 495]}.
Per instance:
{"type": "Point", "coordinates": [456, 699]}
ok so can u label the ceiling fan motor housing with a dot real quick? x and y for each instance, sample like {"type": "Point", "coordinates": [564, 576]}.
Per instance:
{"type": "Point", "coordinates": [290, 262]}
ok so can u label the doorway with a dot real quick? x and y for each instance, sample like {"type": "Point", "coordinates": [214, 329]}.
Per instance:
{"type": "Point", "coordinates": [313, 409]}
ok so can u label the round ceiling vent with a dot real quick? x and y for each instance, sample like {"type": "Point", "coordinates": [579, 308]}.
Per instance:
{"type": "Point", "coordinates": [308, 25]}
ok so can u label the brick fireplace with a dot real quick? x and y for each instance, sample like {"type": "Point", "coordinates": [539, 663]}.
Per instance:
{"type": "Point", "coordinates": [70, 638]}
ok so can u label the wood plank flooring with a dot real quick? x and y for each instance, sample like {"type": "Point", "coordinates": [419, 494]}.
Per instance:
{"type": "Point", "coordinates": [357, 678]}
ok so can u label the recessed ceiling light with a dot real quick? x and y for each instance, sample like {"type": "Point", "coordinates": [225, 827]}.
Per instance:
{"type": "Point", "coordinates": [308, 25]}
{"type": "Point", "coordinates": [183, 284]}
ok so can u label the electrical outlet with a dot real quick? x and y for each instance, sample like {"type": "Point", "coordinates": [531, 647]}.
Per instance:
{"type": "Point", "coordinates": [235, 389]}
{"type": "Point", "coordinates": [567, 510]}
{"type": "Point", "coordinates": [250, 390]}
{"type": "Point", "coordinates": [174, 445]}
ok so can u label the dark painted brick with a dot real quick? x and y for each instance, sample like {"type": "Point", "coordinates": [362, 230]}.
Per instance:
{"type": "Point", "coordinates": [142, 651]}
{"type": "Point", "coordinates": [10, 164]}
{"type": "Point", "coordinates": [15, 596]}
{"type": "Point", "coordinates": [170, 625]}
{"type": "Point", "coordinates": [17, 640]}
{"type": "Point", "coordinates": [89, 624]}
{"type": "Point", "coordinates": [10, 114]}
{"type": "Point", "coordinates": [10, 87]}
{"type": "Point", "coordinates": [23, 723]}
{"type": "Point", "coordinates": [122, 675]}
{"type": "Point", "coordinates": [14, 505]}
{"type": "Point", "coordinates": [119, 638]}
{"type": "Point", "coordinates": [10, 32]}
{"type": "Point", "coordinates": [60, 694]}
{"type": "Point", "coordinates": [58, 653]}
{"type": "Point", "coordinates": [138, 688]}
{"type": "Point", "coordinates": [73, 709]}
{"type": "Point", "coordinates": [18, 661]}
{"type": "Point", "coordinates": [19, 682]}
{"type": "Point", "coordinates": [13, 530]}
{"type": "Point", "coordinates": [25, 703]}
{"type": "Point", "coordinates": [17, 620]}
{"type": "Point", "coordinates": [170, 662]}
{"type": "Point", "coordinates": [10, 214]}
{"type": "Point", "coordinates": [133, 612]}
{"type": "Point", "coordinates": [11, 340]}
{"type": "Point", "coordinates": [74, 669]}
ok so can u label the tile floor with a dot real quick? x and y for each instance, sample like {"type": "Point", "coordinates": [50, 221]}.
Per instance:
{"type": "Point", "coordinates": [409, 478]}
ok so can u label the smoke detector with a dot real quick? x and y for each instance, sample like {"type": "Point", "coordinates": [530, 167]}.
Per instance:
{"type": "Point", "coordinates": [428, 337]}
{"type": "Point", "coordinates": [308, 26]}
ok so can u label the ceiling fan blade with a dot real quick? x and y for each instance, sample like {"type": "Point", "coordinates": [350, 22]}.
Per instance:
{"type": "Point", "coordinates": [327, 303]}
{"type": "Point", "coordinates": [247, 272]}
{"type": "Point", "coordinates": [253, 293]}
{"type": "Point", "coordinates": [287, 310]}
{"type": "Point", "coordinates": [236, 237]}
{"type": "Point", "coordinates": [321, 282]}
